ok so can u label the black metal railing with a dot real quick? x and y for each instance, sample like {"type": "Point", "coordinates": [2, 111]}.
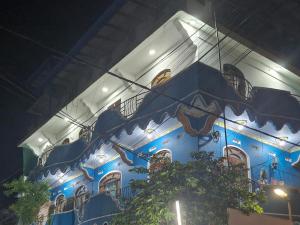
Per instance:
{"type": "Point", "coordinates": [241, 85]}
{"type": "Point", "coordinates": [126, 108]}
{"type": "Point", "coordinates": [43, 158]}
{"type": "Point", "coordinates": [125, 193]}
{"type": "Point", "coordinates": [128, 193]}
{"type": "Point", "coordinates": [122, 196]}
{"type": "Point", "coordinates": [129, 106]}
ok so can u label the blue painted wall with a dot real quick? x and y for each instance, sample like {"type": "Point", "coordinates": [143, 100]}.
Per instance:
{"type": "Point", "coordinates": [182, 145]}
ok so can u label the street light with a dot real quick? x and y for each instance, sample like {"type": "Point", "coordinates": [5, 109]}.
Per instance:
{"type": "Point", "coordinates": [178, 212]}
{"type": "Point", "coordinates": [283, 194]}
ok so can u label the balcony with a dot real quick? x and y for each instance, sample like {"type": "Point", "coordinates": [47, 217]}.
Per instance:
{"type": "Point", "coordinates": [237, 81]}
{"type": "Point", "coordinates": [204, 88]}
{"type": "Point", "coordinates": [128, 107]}
{"type": "Point", "coordinates": [96, 209]}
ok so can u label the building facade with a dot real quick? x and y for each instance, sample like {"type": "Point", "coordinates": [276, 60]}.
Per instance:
{"type": "Point", "coordinates": [181, 90]}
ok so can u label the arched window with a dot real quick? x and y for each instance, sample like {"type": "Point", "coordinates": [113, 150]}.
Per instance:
{"type": "Point", "coordinates": [237, 156]}
{"type": "Point", "coordinates": [66, 141]}
{"type": "Point", "coordinates": [159, 160]}
{"type": "Point", "coordinates": [60, 203]}
{"type": "Point", "coordinates": [81, 196]}
{"type": "Point", "coordinates": [161, 78]}
{"type": "Point", "coordinates": [111, 183]}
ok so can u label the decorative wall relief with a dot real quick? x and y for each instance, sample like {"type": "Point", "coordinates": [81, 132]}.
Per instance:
{"type": "Point", "coordinates": [263, 177]}
{"type": "Point", "coordinates": [296, 164]}
{"type": "Point", "coordinates": [204, 140]}
{"type": "Point", "coordinates": [85, 173]}
{"type": "Point", "coordinates": [198, 122]}
{"type": "Point", "coordinates": [274, 164]}
{"type": "Point", "coordinates": [122, 154]}
{"type": "Point", "coordinates": [215, 136]}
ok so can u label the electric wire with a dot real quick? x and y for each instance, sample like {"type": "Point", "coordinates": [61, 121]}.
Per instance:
{"type": "Point", "coordinates": [220, 69]}
{"type": "Point", "coordinates": [132, 82]}
{"type": "Point", "coordinates": [10, 176]}
{"type": "Point", "coordinates": [162, 94]}
{"type": "Point", "coordinates": [39, 43]}
{"type": "Point", "coordinates": [160, 61]}
{"type": "Point", "coordinates": [143, 74]}
{"type": "Point", "coordinates": [173, 51]}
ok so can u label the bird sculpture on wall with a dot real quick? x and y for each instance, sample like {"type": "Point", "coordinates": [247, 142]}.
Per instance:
{"type": "Point", "coordinates": [85, 173]}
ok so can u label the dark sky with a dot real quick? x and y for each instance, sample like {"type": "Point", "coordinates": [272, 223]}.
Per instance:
{"type": "Point", "coordinates": [55, 23]}
{"type": "Point", "coordinates": [273, 25]}
{"type": "Point", "coordinates": [58, 24]}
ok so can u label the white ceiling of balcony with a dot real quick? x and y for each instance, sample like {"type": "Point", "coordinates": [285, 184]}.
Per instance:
{"type": "Point", "coordinates": [151, 56]}
{"type": "Point", "coordinates": [105, 153]}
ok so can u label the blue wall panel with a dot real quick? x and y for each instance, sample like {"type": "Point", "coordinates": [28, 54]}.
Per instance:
{"type": "Point", "coordinates": [261, 157]}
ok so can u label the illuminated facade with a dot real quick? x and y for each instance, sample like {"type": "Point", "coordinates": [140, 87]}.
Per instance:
{"type": "Point", "coordinates": [86, 150]}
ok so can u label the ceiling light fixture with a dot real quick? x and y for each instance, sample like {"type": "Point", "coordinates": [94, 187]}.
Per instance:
{"type": "Point", "coordinates": [40, 139]}
{"type": "Point", "coordinates": [278, 68]}
{"type": "Point", "coordinates": [61, 180]}
{"type": "Point", "coordinates": [104, 89]}
{"type": "Point", "coordinates": [282, 141]}
{"type": "Point", "coordinates": [66, 119]}
{"type": "Point", "coordinates": [152, 52]}
{"type": "Point", "coordinates": [240, 127]}
{"type": "Point", "coordinates": [193, 22]}
{"type": "Point", "coordinates": [149, 136]}
{"type": "Point", "coordinates": [241, 124]}
{"type": "Point", "coordinates": [149, 133]}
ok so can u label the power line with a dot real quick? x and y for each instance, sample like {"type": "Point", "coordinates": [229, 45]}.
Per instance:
{"type": "Point", "coordinates": [143, 74]}
{"type": "Point", "coordinates": [50, 49]}
{"type": "Point", "coordinates": [140, 85]}
{"type": "Point", "coordinates": [10, 176]}
{"type": "Point", "coordinates": [160, 94]}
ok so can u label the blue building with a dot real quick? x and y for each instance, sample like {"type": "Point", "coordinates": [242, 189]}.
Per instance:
{"type": "Point", "coordinates": [247, 113]}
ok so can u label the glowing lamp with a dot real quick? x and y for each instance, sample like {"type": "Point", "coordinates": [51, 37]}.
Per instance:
{"type": "Point", "coordinates": [279, 192]}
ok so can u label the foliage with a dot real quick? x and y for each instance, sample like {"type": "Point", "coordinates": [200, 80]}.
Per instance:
{"type": "Point", "coordinates": [204, 186]}
{"type": "Point", "coordinates": [31, 196]}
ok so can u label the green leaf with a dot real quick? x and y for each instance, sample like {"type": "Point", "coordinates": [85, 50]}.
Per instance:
{"type": "Point", "coordinates": [32, 195]}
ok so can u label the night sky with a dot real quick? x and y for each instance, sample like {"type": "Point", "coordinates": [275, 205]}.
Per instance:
{"type": "Point", "coordinates": [60, 24]}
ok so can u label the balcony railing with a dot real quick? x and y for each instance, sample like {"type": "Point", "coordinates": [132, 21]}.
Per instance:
{"type": "Point", "coordinates": [129, 106]}
{"type": "Point", "coordinates": [241, 86]}
{"type": "Point", "coordinates": [122, 196]}
{"type": "Point", "coordinates": [126, 108]}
